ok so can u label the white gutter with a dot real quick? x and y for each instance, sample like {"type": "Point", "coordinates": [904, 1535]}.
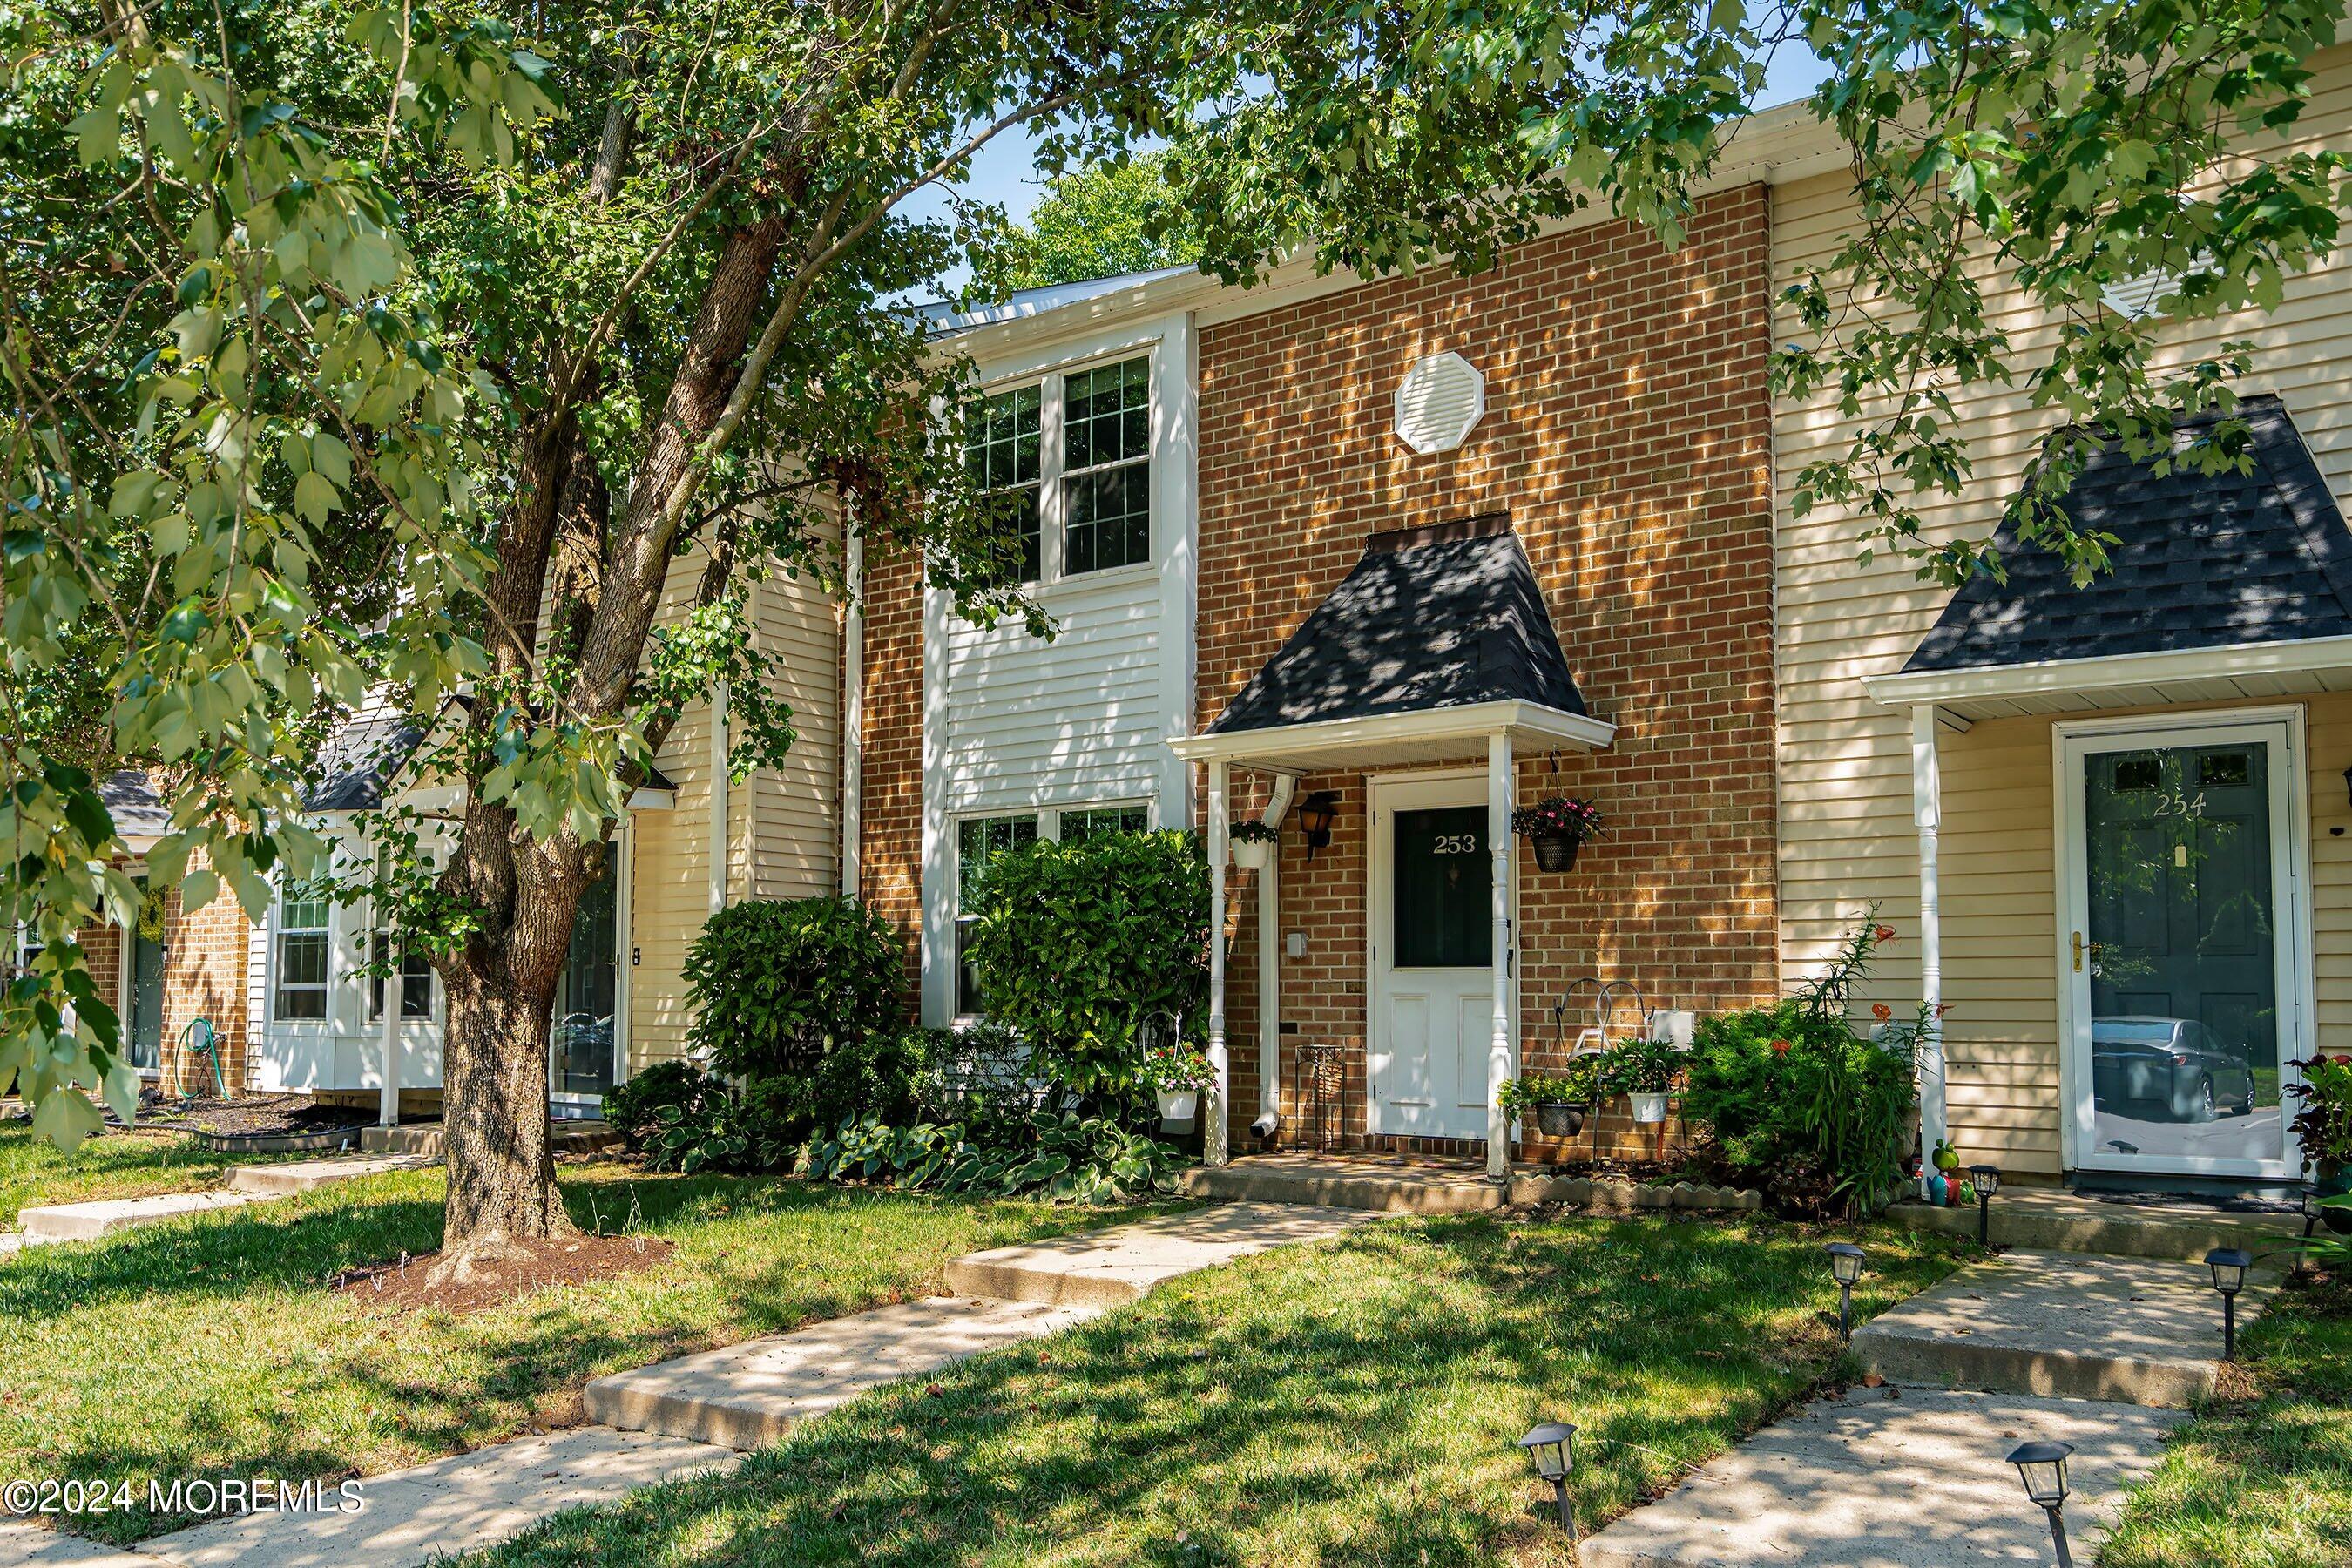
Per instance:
{"type": "Point", "coordinates": [1466, 726]}
{"type": "Point", "coordinates": [719, 848]}
{"type": "Point", "coordinates": [853, 709]}
{"type": "Point", "coordinates": [2115, 671]}
{"type": "Point", "coordinates": [1926, 807]}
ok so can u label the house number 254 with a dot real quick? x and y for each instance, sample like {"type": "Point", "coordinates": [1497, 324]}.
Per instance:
{"type": "Point", "coordinates": [2181, 806]}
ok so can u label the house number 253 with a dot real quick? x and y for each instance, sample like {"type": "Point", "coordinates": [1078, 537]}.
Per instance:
{"type": "Point", "coordinates": [1454, 844]}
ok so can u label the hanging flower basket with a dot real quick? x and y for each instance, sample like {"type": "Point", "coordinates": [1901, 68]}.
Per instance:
{"type": "Point", "coordinates": [1178, 1108]}
{"type": "Point", "coordinates": [1560, 826]}
{"type": "Point", "coordinates": [1560, 1119]}
{"type": "Point", "coordinates": [1253, 845]}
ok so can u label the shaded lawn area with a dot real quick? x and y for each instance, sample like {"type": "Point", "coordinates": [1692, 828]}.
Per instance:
{"type": "Point", "coordinates": [2264, 1481]}
{"type": "Point", "coordinates": [1353, 1402]}
{"type": "Point", "coordinates": [212, 1346]}
{"type": "Point", "coordinates": [34, 1173]}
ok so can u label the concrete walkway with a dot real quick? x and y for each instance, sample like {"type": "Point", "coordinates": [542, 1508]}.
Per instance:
{"type": "Point", "coordinates": [695, 1413]}
{"type": "Point", "coordinates": [248, 1184]}
{"type": "Point", "coordinates": [2097, 1351]}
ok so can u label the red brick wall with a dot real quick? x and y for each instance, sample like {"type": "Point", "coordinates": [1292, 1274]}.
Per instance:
{"type": "Point", "coordinates": [1627, 434]}
{"type": "Point", "coordinates": [891, 832]}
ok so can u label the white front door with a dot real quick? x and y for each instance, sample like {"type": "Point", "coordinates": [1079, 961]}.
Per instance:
{"type": "Point", "coordinates": [2182, 948]}
{"type": "Point", "coordinates": [1431, 955]}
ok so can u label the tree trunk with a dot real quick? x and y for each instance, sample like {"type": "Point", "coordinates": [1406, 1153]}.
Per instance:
{"type": "Point", "coordinates": [494, 1075]}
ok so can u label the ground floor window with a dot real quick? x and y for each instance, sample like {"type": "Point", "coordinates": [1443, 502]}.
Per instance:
{"type": "Point", "coordinates": [415, 983]}
{"type": "Point", "coordinates": [301, 991]}
{"type": "Point", "coordinates": [980, 839]}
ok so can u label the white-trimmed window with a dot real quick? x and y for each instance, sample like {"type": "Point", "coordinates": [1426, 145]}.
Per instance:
{"type": "Point", "coordinates": [299, 994]}
{"type": "Point", "coordinates": [979, 840]}
{"type": "Point", "coordinates": [1077, 447]}
{"type": "Point", "coordinates": [415, 983]}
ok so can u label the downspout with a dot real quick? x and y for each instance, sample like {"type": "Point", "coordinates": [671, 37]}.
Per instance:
{"type": "Point", "coordinates": [718, 846]}
{"type": "Point", "coordinates": [1269, 969]}
{"type": "Point", "coordinates": [852, 710]}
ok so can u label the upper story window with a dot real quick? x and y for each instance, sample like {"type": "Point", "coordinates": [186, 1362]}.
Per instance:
{"type": "Point", "coordinates": [1077, 447]}
{"type": "Point", "coordinates": [301, 990]}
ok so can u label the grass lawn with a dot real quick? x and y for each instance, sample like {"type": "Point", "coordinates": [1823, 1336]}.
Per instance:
{"type": "Point", "coordinates": [32, 1173]}
{"type": "Point", "coordinates": [2264, 1481]}
{"type": "Point", "coordinates": [212, 1347]}
{"type": "Point", "coordinates": [1356, 1402]}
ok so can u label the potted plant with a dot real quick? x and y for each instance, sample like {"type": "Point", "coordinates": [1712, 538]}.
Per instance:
{"type": "Point", "coordinates": [1644, 1071]}
{"type": "Point", "coordinates": [1177, 1075]}
{"type": "Point", "coordinates": [1254, 844]}
{"type": "Point", "coordinates": [1560, 826]}
{"type": "Point", "coordinates": [1558, 1102]}
{"type": "Point", "coordinates": [2322, 1126]}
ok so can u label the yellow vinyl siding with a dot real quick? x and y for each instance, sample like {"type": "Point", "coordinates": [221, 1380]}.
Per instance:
{"type": "Point", "coordinates": [1847, 837]}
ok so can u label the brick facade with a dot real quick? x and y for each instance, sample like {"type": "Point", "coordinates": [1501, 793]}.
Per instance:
{"type": "Point", "coordinates": [1627, 434]}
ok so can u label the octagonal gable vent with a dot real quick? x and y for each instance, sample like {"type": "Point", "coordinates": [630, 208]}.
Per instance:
{"type": "Point", "coordinates": [1439, 403]}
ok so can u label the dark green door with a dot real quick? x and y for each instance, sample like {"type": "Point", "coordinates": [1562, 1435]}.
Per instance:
{"type": "Point", "coordinates": [2182, 960]}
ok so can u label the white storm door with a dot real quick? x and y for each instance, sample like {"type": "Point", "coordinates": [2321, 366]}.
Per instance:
{"type": "Point", "coordinates": [1431, 947]}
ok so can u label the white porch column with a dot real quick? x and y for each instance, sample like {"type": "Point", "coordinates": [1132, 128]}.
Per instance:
{"type": "Point", "coordinates": [1927, 788]}
{"type": "Point", "coordinates": [1212, 1131]}
{"type": "Point", "coordinates": [387, 1111]}
{"type": "Point", "coordinates": [1499, 1050]}
{"type": "Point", "coordinates": [1269, 959]}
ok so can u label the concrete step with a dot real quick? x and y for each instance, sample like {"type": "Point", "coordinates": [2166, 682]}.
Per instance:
{"type": "Point", "coordinates": [748, 1395]}
{"type": "Point", "coordinates": [567, 1137]}
{"type": "Point", "coordinates": [450, 1505]}
{"type": "Point", "coordinates": [1345, 1183]}
{"type": "Point", "coordinates": [2131, 1330]}
{"type": "Point", "coordinates": [85, 1222]}
{"type": "Point", "coordinates": [306, 1175]}
{"type": "Point", "coordinates": [1882, 1478]}
{"type": "Point", "coordinates": [2042, 1219]}
{"type": "Point", "coordinates": [1107, 1269]}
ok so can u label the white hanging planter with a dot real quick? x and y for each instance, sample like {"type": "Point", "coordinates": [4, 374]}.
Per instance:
{"type": "Point", "coordinates": [1253, 853]}
{"type": "Point", "coordinates": [1649, 1110]}
{"type": "Point", "coordinates": [1178, 1108]}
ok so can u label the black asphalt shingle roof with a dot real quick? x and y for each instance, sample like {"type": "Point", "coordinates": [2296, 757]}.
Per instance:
{"type": "Point", "coordinates": [360, 758]}
{"type": "Point", "coordinates": [131, 801]}
{"type": "Point", "coordinates": [2205, 561]}
{"type": "Point", "coordinates": [1431, 617]}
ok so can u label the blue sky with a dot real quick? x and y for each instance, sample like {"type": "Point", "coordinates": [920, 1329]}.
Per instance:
{"type": "Point", "coordinates": [1007, 172]}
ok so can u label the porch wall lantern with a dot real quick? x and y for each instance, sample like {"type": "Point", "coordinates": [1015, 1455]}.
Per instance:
{"type": "Point", "coordinates": [2228, 1264]}
{"type": "Point", "coordinates": [1315, 816]}
{"type": "Point", "coordinates": [1986, 1179]}
{"type": "Point", "coordinates": [1552, 1447]}
{"type": "Point", "coordinates": [1845, 1267]}
{"type": "Point", "coordinates": [2043, 1467]}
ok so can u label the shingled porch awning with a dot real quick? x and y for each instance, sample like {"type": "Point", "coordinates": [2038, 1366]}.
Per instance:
{"type": "Point", "coordinates": [1435, 648]}
{"type": "Point", "coordinates": [2221, 587]}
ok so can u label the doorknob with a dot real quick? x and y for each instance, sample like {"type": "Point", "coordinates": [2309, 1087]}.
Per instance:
{"type": "Point", "coordinates": [2078, 952]}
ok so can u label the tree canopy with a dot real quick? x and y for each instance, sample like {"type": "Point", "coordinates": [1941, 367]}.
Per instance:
{"type": "Point", "coordinates": [359, 349]}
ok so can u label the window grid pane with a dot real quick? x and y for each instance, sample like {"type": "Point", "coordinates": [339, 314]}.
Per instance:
{"type": "Point", "coordinates": [979, 840]}
{"type": "Point", "coordinates": [1098, 821]}
{"type": "Point", "coordinates": [1005, 452]}
{"type": "Point", "coordinates": [1107, 477]}
{"type": "Point", "coordinates": [1110, 414]}
{"type": "Point", "coordinates": [1111, 519]}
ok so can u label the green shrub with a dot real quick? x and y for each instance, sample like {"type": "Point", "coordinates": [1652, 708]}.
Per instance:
{"type": "Point", "coordinates": [800, 999]}
{"type": "Point", "coordinates": [1075, 945]}
{"type": "Point", "coordinates": [632, 1109]}
{"type": "Point", "coordinates": [1066, 1157]}
{"type": "Point", "coordinates": [777, 984]}
{"type": "Point", "coordinates": [1790, 1098]}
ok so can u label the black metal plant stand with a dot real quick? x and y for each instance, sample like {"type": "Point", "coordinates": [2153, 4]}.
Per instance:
{"type": "Point", "coordinates": [1315, 1089]}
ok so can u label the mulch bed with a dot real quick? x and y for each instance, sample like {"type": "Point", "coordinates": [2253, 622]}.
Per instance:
{"type": "Point", "coordinates": [256, 1115]}
{"type": "Point", "coordinates": [401, 1287]}
{"type": "Point", "coordinates": [1627, 1170]}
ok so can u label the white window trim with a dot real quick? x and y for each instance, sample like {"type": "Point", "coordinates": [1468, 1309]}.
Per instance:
{"type": "Point", "coordinates": [278, 928]}
{"type": "Point", "coordinates": [1053, 511]}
